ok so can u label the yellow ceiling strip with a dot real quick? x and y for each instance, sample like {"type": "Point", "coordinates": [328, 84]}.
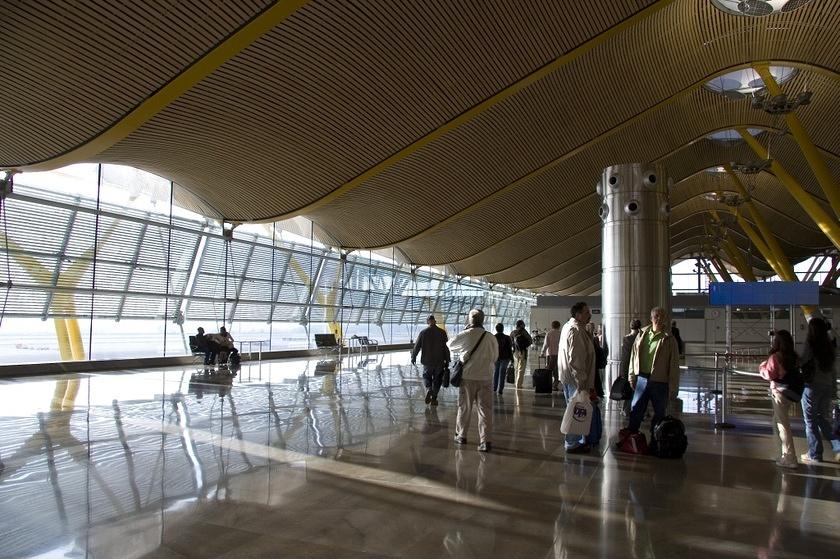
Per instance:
{"type": "Point", "coordinates": [476, 110]}
{"type": "Point", "coordinates": [183, 82]}
{"type": "Point", "coordinates": [574, 151]}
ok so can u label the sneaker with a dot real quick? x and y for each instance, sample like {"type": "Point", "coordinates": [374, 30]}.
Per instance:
{"type": "Point", "coordinates": [806, 459]}
{"type": "Point", "coordinates": [434, 401]}
{"type": "Point", "coordinates": [484, 447]}
{"type": "Point", "coordinates": [428, 396]}
{"type": "Point", "coordinates": [460, 440]}
{"type": "Point", "coordinates": [788, 462]}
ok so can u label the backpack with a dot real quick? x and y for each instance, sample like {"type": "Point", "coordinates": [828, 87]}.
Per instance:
{"type": "Point", "coordinates": [669, 440]}
{"type": "Point", "coordinates": [792, 384]}
{"type": "Point", "coordinates": [522, 341]}
{"type": "Point", "coordinates": [632, 443]}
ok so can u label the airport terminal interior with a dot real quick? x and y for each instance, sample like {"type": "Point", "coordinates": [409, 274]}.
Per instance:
{"type": "Point", "coordinates": [319, 177]}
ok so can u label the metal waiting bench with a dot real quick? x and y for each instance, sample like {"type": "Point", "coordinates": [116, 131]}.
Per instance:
{"type": "Point", "coordinates": [197, 354]}
{"type": "Point", "coordinates": [327, 342]}
{"type": "Point", "coordinates": [364, 343]}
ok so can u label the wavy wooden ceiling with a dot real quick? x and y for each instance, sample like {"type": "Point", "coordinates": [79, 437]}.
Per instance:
{"type": "Point", "coordinates": [468, 133]}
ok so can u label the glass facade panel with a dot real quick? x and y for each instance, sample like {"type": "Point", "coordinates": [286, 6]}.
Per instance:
{"type": "Point", "coordinates": [111, 244]}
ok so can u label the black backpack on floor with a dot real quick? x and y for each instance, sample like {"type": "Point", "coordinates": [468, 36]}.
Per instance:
{"type": "Point", "coordinates": [669, 440]}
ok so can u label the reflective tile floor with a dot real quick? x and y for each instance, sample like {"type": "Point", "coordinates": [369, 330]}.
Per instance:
{"type": "Point", "coordinates": [308, 459]}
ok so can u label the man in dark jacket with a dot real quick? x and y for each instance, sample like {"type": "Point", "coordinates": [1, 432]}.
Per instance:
{"type": "Point", "coordinates": [432, 343]}
{"type": "Point", "coordinates": [505, 356]}
{"type": "Point", "coordinates": [521, 342]}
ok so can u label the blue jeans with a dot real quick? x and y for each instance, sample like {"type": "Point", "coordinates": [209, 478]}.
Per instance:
{"type": "Point", "coordinates": [816, 410]}
{"type": "Point", "coordinates": [597, 428]}
{"type": "Point", "coordinates": [574, 441]}
{"type": "Point", "coordinates": [433, 378]}
{"type": "Point", "coordinates": [499, 375]}
{"type": "Point", "coordinates": [646, 391]}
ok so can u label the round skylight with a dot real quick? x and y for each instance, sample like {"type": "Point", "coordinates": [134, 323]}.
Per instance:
{"type": "Point", "coordinates": [757, 8]}
{"type": "Point", "coordinates": [740, 83]}
{"type": "Point", "coordinates": [731, 135]}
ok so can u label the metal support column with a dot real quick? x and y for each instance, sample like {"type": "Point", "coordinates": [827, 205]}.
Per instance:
{"type": "Point", "coordinates": [724, 401]}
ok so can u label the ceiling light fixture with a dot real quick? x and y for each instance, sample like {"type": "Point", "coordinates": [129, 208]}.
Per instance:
{"type": "Point", "coordinates": [758, 8]}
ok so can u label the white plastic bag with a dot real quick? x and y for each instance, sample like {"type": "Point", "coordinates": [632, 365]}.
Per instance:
{"type": "Point", "coordinates": [578, 417]}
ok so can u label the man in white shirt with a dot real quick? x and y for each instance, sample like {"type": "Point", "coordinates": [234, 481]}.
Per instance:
{"type": "Point", "coordinates": [476, 384]}
{"type": "Point", "coordinates": [576, 361]}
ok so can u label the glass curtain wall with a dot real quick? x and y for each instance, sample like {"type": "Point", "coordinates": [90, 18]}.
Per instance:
{"type": "Point", "coordinates": [109, 262]}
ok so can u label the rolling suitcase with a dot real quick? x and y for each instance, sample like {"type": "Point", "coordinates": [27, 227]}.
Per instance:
{"type": "Point", "coordinates": [542, 381]}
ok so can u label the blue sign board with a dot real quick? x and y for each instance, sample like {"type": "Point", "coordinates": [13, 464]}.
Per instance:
{"type": "Point", "coordinates": [764, 293]}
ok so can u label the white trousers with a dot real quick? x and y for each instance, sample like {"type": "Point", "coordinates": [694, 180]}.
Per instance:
{"type": "Point", "coordinates": [475, 394]}
{"type": "Point", "coordinates": [520, 366]}
{"type": "Point", "coordinates": [781, 423]}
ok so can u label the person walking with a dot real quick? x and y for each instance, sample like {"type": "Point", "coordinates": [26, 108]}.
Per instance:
{"type": "Point", "coordinates": [479, 353]}
{"type": "Point", "coordinates": [505, 356]}
{"type": "Point", "coordinates": [431, 342]}
{"type": "Point", "coordinates": [521, 342]}
{"type": "Point", "coordinates": [576, 364]}
{"type": "Point", "coordinates": [781, 361]}
{"type": "Point", "coordinates": [550, 346]}
{"type": "Point", "coordinates": [818, 359]}
{"type": "Point", "coordinates": [654, 371]}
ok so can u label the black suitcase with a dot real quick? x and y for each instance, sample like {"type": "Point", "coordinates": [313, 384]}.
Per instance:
{"type": "Point", "coordinates": [542, 381]}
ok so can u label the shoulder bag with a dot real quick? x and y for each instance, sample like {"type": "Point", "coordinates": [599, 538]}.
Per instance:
{"type": "Point", "coordinates": [458, 369]}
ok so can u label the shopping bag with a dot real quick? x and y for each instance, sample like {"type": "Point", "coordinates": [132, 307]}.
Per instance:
{"type": "Point", "coordinates": [578, 417]}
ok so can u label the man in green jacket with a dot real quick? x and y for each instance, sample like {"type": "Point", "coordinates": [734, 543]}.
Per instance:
{"type": "Point", "coordinates": [654, 370]}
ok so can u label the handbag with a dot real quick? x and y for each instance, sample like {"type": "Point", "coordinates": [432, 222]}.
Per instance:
{"type": "Point", "coordinates": [458, 370]}
{"type": "Point", "coordinates": [510, 374]}
{"type": "Point", "coordinates": [578, 416]}
{"type": "Point", "coordinates": [621, 389]}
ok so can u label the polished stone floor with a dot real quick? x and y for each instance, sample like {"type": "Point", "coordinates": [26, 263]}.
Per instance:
{"type": "Point", "coordinates": [308, 459]}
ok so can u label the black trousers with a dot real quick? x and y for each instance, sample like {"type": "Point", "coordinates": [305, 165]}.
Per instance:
{"type": "Point", "coordinates": [432, 378]}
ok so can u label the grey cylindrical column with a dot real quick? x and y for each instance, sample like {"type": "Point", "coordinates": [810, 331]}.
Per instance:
{"type": "Point", "coordinates": [636, 255]}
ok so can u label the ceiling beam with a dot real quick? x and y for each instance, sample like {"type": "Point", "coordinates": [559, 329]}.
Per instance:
{"type": "Point", "coordinates": [199, 69]}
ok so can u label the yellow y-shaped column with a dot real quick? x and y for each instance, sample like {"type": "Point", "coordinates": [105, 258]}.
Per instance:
{"type": "Point", "coordinates": [809, 150]}
{"type": "Point", "coordinates": [825, 222]}
{"type": "Point", "coordinates": [773, 252]}
{"type": "Point", "coordinates": [724, 273]}
{"type": "Point", "coordinates": [786, 273]}
{"type": "Point", "coordinates": [731, 251]}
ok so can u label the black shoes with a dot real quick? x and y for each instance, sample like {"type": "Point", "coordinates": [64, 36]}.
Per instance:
{"type": "Point", "coordinates": [428, 396]}
{"type": "Point", "coordinates": [484, 447]}
{"type": "Point", "coordinates": [434, 401]}
{"type": "Point", "coordinates": [582, 449]}
{"type": "Point", "coordinates": [460, 440]}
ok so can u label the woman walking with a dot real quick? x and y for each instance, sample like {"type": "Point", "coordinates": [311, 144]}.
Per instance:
{"type": "Point", "coordinates": [782, 362]}
{"type": "Point", "coordinates": [818, 359]}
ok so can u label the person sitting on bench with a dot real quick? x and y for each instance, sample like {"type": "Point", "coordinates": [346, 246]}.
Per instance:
{"type": "Point", "coordinates": [225, 343]}
{"type": "Point", "coordinates": [207, 345]}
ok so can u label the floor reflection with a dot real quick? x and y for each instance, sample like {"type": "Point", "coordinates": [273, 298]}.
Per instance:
{"type": "Point", "coordinates": [342, 457]}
